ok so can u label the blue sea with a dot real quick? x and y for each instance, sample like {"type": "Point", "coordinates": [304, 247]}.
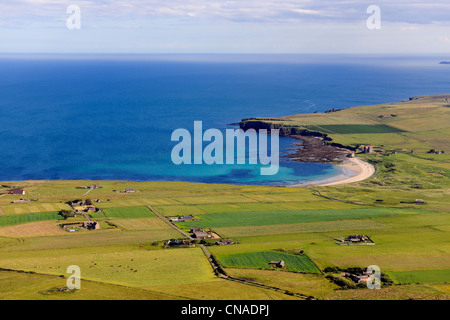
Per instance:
{"type": "Point", "coordinates": [111, 117]}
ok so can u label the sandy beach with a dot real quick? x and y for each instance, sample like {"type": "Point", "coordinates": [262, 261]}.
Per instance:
{"type": "Point", "coordinates": [353, 170]}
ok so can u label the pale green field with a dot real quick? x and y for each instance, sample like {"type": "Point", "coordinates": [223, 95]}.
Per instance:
{"type": "Point", "coordinates": [128, 266]}
{"type": "Point", "coordinates": [30, 207]}
{"type": "Point", "coordinates": [294, 228]}
{"type": "Point", "coordinates": [307, 284]}
{"type": "Point", "coordinates": [150, 224]}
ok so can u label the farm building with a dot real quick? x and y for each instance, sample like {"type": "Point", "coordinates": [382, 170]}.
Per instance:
{"type": "Point", "coordinates": [368, 149]}
{"type": "Point", "coordinates": [76, 203]}
{"type": "Point", "coordinates": [94, 186]}
{"type": "Point", "coordinates": [277, 264]}
{"type": "Point", "coordinates": [201, 234]}
{"type": "Point", "coordinates": [129, 190]}
{"type": "Point", "coordinates": [358, 278]}
{"type": "Point", "coordinates": [91, 209]}
{"type": "Point", "coordinates": [177, 242]}
{"type": "Point", "coordinates": [224, 242]}
{"type": "Point", "coordinates": [357, 238]}
{"type": "Point", "coordinates": [91, 225]}
{"type": "Point", "coordinates": [183, 219]}
{"type": "Point", "coordinates": [16, 192]}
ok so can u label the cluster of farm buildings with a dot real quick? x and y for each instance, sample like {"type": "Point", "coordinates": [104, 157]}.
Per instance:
{"type": "Point", "coordinates": [356, 239]}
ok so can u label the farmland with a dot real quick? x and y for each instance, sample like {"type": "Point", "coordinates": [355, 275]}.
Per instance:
{"type": "Point", "coordinates": [354, 128]}
{"type": "Point", "coordinates": [128, 213]}
{"type": "Point", "coordinates": [258, 260]}
{"type": "Point", "coordinates": [261, 218]}
{"type": "Point", "coordinates": [301, 226]}
{"type": "Point", "coordinates": [9, 220]}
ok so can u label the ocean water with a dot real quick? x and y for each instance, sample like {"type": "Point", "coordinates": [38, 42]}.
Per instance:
{"type": "Point", "coordinates": [111, 117]}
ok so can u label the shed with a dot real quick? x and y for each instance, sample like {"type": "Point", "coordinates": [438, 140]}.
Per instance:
{"type": "Point", "coordinates": [277, 264]}
{"type": "Point", "coordinates": [17, 192]}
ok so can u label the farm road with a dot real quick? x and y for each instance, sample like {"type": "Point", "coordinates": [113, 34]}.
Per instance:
{"type": "Point", "coordinates": [169, 223]}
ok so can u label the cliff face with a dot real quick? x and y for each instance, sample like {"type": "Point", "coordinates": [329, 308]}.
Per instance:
{"type": "Point", "coordinates": [315, 147]}
{"type": "Point", "coordinates": [284, 130]}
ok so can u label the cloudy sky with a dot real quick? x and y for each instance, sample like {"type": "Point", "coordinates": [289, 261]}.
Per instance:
{"type": "Point", "coordinates": [225, 26]}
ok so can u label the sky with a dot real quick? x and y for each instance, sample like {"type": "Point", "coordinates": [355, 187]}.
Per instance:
{"type": "Point", "coordinates": [225, 26]}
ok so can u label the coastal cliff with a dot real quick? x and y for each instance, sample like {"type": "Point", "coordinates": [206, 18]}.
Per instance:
{"type": "Point", "coordinates": [315, 146]}
{"type": "Point", "coordinates": [285, 130]}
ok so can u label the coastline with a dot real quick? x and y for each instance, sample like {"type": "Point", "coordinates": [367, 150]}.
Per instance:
{"type": "Point", "coordinates": [353, 170]}
{"type": "Point", "coordinates": [314, 149]}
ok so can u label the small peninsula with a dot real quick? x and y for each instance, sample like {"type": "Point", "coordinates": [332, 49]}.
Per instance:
{"type": "Point", "coordinates": [416, 127]}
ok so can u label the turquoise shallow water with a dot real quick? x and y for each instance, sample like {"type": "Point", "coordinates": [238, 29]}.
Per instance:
{"type": "Point", "coordinates": [112, 117]}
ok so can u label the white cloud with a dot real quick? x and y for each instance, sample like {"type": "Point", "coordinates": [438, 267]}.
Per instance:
{"type": "Point", "coordinates": [413, 11]}
{"type": "Point", "coordinates": [225, 25]}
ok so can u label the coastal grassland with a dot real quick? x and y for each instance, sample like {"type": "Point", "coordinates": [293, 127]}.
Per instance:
{"type": "Point", "coordinates": [421, 124]}
{"type": "Point", "coordinates": [123, 265]}
{"type": "Point", "coordinates": [354, 128]}
{"type": "Point", "coordinates": [260, 260]}
{"type": "Point", "coordinates": [237, 198]}
{"type": "Point", "coordinates": [246, 207]}
{"type": "Point", "coordinates": [151, 192]}
{"type": "Point", "coordinates": [398, 183]}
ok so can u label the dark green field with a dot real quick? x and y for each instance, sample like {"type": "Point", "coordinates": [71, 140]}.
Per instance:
{"type": "Point", "coordinates": [128, 213]}
{"type": "Point", "coordinates": [260, 260]}
{"type": "Point", "coordinates": [16, 219]}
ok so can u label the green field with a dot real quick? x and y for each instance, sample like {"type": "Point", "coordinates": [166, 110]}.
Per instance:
{"type": "Point", "coordinates": [421, 276]}
{"type": "Point", "coordinates": [261, 218]}
{"type": "Point", "coordinates": [11, 220]}
{"type": "Point", "coordinates": [354, 128]}
{"type": "Point", "coordinates": [34, 207]}
{"type": "Point", "coordinates": [128, 213]}
{"type": "Point", "coordinates": [260, 260]}
{"type": "Point", "coordinates": [126, 265]}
